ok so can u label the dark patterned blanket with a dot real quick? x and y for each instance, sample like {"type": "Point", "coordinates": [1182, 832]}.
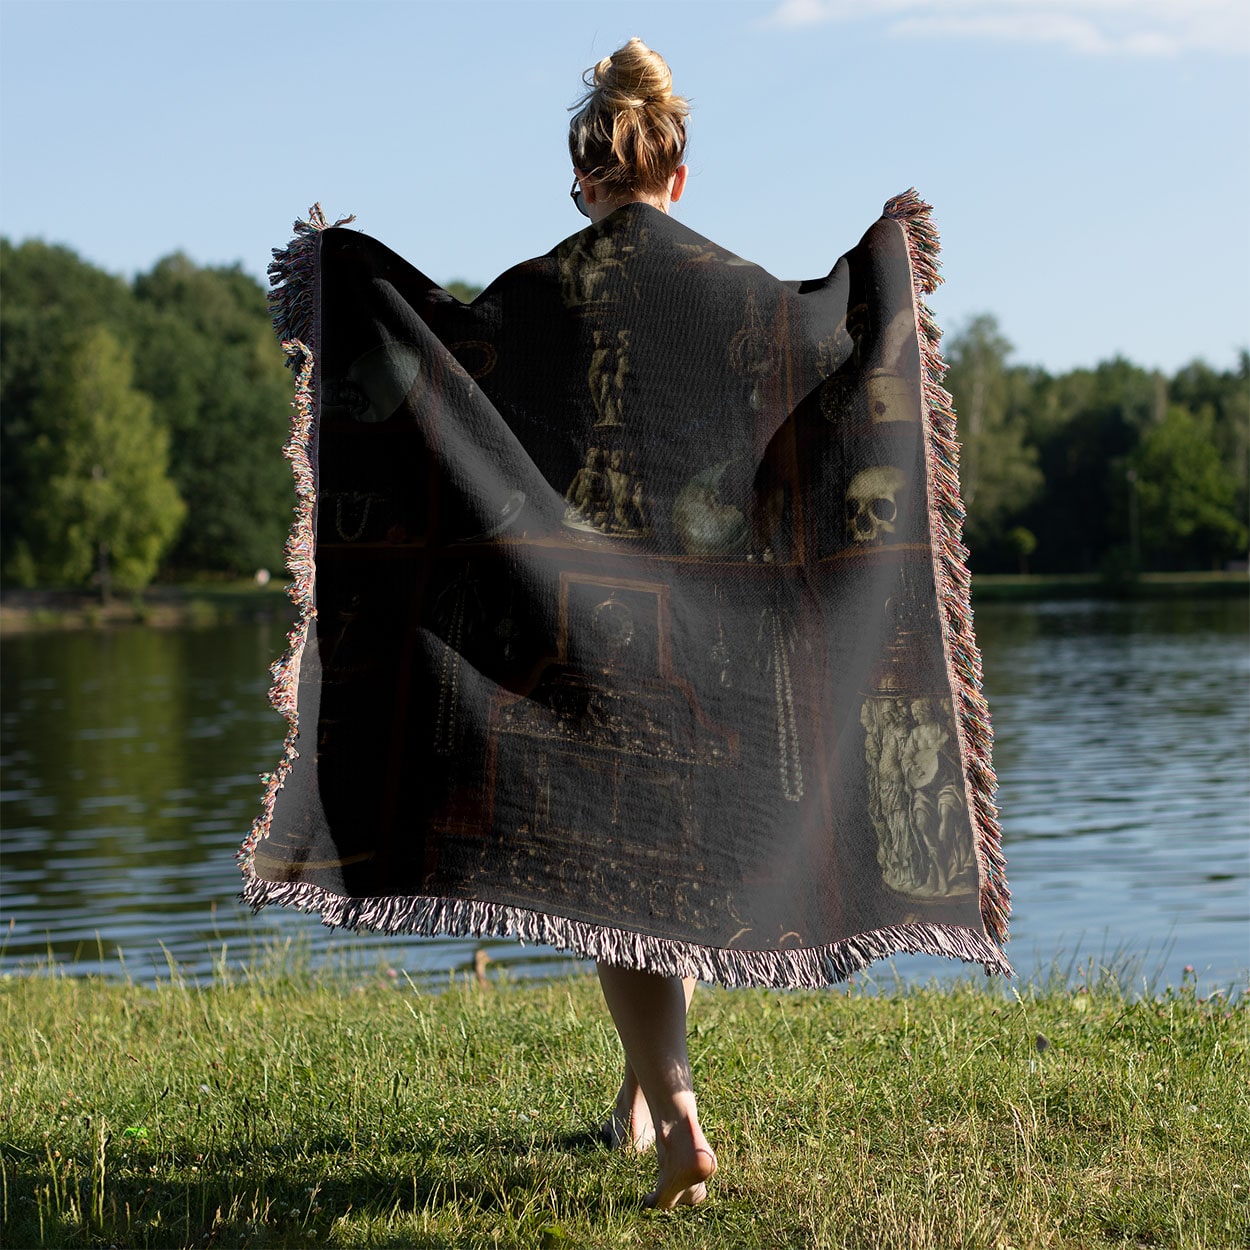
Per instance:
{"type": "Point", "coordinates": [634, 616]}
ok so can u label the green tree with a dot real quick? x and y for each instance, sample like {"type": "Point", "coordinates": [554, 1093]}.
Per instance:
{"type": "Point", "coordinates": [998, 467]}
{"type": "Point", "coordinates": [208, 358]}
{"type": "Point", "coordinates": [1024, 543]}
{"type": "Point", "coordinates": [51, 298]}
{"type": "Point", "coordinates": [1187, 493]}
{"type": "Point", "coordinates": [1087, 423]}
{"type": "Point", "coordinates": [101, 505]}
{"type": "Point", "coordinates": [465, 292]}
{"type": "Point", "coordinates": [1223, 400]}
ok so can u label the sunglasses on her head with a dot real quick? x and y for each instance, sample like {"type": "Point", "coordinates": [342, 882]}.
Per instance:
{"type": "Point", "coordinates": [576, 196]}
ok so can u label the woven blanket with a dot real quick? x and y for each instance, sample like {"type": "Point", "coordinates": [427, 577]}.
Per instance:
{"type": "Point", "coordinates": [634, 618]}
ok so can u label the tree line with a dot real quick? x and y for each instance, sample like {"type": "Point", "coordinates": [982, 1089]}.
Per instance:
{"type": "Point", "coordinates": [1115, 469]}
{"type": "Point", "coordinates": [140, 424]}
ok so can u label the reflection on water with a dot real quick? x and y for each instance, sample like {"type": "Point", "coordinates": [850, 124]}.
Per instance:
{"type": "Point", "coordinates": [131, 759]}
{"type": "Point", "coordinates": [1122, 748]}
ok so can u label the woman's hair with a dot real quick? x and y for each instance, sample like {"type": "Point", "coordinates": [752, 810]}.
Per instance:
{"type": "Point", "coordinates": [629, 130]}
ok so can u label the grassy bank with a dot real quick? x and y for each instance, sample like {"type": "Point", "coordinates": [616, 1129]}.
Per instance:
{"type": "Point", "coordinates": [191, 603]}
{"type": "Point", "coordinates": [282, 1110]}
{"type": "Point", "coordinates": [997, 587]}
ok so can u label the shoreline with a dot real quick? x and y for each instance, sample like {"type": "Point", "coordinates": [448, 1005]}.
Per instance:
{"type": "Point", "coordinates": [174, 606]}
{"type": "Point", "coordinates": [1035, 587]}
{"type": "Point", "coordinates": [205, 604]}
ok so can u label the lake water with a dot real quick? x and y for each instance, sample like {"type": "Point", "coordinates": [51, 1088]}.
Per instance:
{"type": "Point", "coordinates": [130, 762]}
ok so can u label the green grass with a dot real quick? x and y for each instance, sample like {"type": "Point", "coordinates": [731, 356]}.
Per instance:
{"type": "Point", "coordinates": [280, 1108]}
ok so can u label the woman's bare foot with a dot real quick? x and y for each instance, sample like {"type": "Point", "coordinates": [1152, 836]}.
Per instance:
{"type": "Point", "coordinates": [686, 1165]}
{"type": "Point", "coordinates": [629, 1126]}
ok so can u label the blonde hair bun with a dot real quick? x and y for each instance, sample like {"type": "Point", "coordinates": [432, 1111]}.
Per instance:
{"type": "Point", "coordinates": [629, 130]}
{"type": "Point", "coordinates": [632, 77]}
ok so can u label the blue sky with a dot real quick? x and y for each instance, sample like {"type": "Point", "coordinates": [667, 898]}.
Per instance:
{"type": "Point", "coordinates": [1088, 160]}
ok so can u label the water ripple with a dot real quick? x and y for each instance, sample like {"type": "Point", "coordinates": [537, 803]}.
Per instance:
{"type": "Point", "coordinates": [131, 762]}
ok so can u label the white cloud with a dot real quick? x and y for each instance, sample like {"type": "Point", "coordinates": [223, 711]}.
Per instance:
{"type": "Point", "coordinates": [1137, 28]}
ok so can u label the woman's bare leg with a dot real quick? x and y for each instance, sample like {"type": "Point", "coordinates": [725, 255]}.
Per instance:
{"type": "Point", "coordinates": [629, 1126]}
{"type": "Point", "coordinates": [649, 1012]}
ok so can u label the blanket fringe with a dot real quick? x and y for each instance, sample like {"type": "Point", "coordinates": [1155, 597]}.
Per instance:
{"type": "Point", "coordinates": [295, 298]}
{"type": "Point", "coordinates": [294, 303]}
{"type": "Point", "coordinates": [809, 968]}
{"type": "Point", "coordinates": [954, 583]}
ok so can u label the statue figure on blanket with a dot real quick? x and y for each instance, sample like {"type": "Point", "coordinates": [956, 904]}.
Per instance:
{"type": "Point", "coordinates": [609, 367]}
{"type": "Point", "coordinates": [587, 495]}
